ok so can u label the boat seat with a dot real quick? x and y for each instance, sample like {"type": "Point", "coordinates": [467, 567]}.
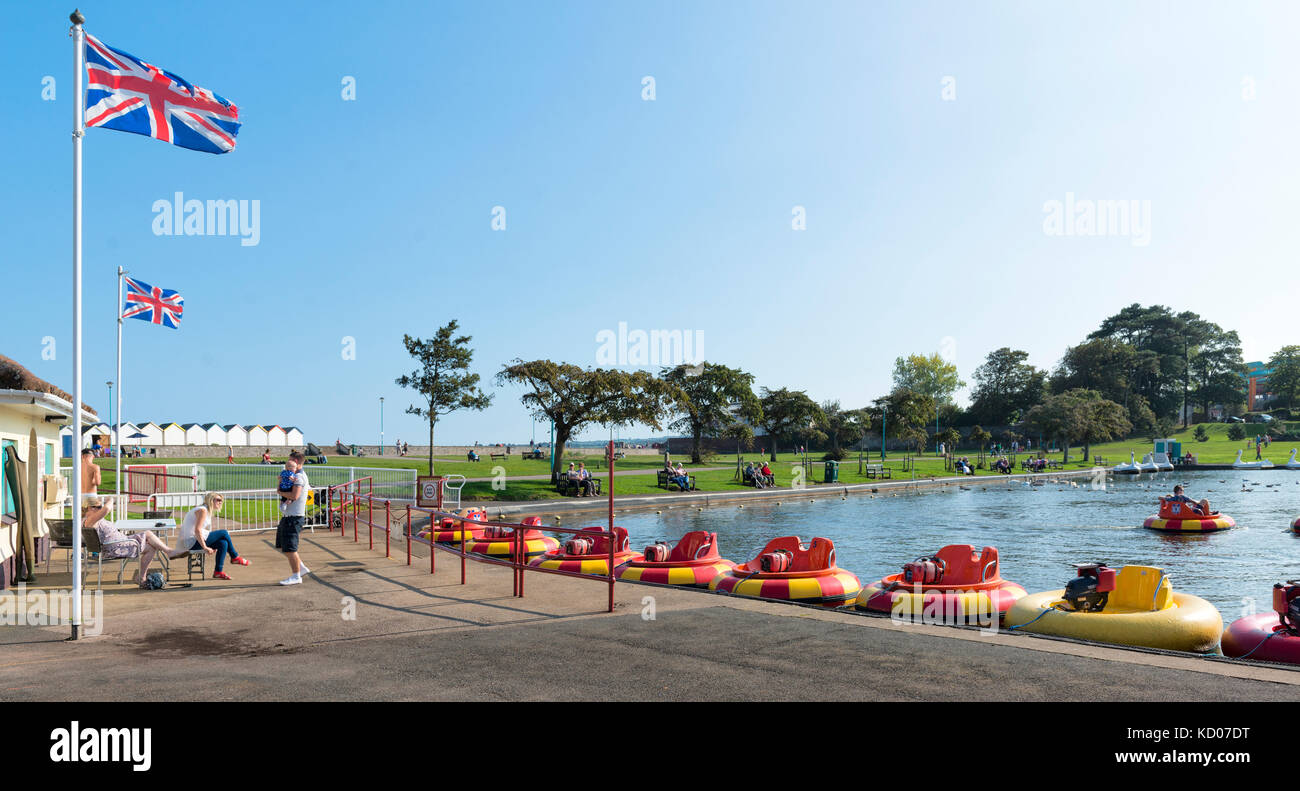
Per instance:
{"type": "Point", "coordinates": [1135, 589]}
{"type": "Point", "coordinates": [599, 543]}
{"type": "Point", "coordinates": [963, 564]}
{"type": "Point", "coordinates": [692, 543]}
{"type": "Point", "coordinates": [818, 556]}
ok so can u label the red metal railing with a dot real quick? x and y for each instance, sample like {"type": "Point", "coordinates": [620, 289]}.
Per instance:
{"type": "Point", "coordinates": [351, 498]}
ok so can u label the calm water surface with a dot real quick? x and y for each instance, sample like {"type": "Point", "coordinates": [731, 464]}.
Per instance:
{"type": "Point", "coordinates": [1038, 530]}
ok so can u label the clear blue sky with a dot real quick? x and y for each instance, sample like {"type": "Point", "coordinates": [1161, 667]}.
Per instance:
{"type": "Point", "coordinates": [924, 216]}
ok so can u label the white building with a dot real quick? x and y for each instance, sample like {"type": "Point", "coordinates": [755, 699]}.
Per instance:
{"type": "Point", "coordinates": [256, 436]}
{"type": "Point", "coordinates": [236, 435]}
{"type": "Point", "coordinates": [195, 434]}
{"type": "Point", "coordinates": [215, 433]}
{"type": "Point", "coordinates": [293, 437]}
{"type": "Point", "coordinates": [275, 437]}
{"type": "Point", "coordinates": [173, 434]}
{"type": "Point", "coordinates": [32, 414]}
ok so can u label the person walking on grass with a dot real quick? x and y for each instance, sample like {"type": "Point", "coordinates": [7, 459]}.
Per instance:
{"type": "Point", "coordinates": [294, 508]}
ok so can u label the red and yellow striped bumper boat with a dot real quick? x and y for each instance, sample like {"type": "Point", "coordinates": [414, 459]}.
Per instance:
{"type": "Point", "coordinates": [956, 585]}
{"type": "Point", "coordinates": [588, 554]}
{"type": "Point", "coordinates": [500, 542]}
{"type": "Point", "coordinates": [1181, 517]}
{"type": "Point", "coordinates": [789, 571]}
{"type": "Point", "coordinates": [693, 562]}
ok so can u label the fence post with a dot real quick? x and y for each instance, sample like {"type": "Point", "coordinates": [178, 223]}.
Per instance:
{"type": "Point", "coordinates": [388, 524]}
{"type": "Point", "coordinates": [610, 457]}
{"type": "Point", "coordinates": [408, 534]}
{"type": "Point", "coordinates": [370, 521]}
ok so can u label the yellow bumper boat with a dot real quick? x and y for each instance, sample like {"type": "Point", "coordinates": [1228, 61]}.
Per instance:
{"type": "Point", "coordinates": [1134, 605]}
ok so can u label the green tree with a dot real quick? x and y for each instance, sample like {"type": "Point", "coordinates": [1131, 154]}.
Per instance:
{"type": "Point", "coordinates": [787, 412]}
{"type": "Point", "coordinates": [1215, 371]}
{"type": "Point", "coordinates": [1201, 435]}
{"type": "Point", "coordinates": [442, 377]}
{"type": "Point", "coordinates": [1284, 380]}
{"type": "Point", "coordinates": [1081, 416]}
{"type": "Point", "coordinates": [574, 397]}
{"type": "Point", "coordinates": [713, 397]}
{"type": "Point", "coordinates": [1236, 432]}
{"type": "Point", "coordinates": [980, 438]}
{"type": "Point", "coordinates": [1004, 385]}
{"type": "Point", "coordinates": [845, 426]}
{"type": "Point", "coordinates": [931, 376]}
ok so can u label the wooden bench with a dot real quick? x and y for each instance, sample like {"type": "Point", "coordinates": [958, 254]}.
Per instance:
{"type": "Point", "coordinates": [664, 483]}
{"type": "Point", "coordinates": [501, 456]}
{"type": "Point", "coordinates": [568, 488]}
{"type": "Point", "coordinates": [1053, 464]}
{"type": "Point", "coordinates": [879, 471]}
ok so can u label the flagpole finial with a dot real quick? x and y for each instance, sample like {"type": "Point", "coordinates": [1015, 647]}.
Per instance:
{"type": "Point", "coordinates": [77, 18]}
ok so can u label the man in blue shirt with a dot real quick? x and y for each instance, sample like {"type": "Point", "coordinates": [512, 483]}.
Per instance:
{"type": "Point", "coordinates": [1202, 508]}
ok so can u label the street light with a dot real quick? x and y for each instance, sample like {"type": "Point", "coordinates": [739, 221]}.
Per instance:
{"type": "Point", "coordinates": [110, 403]}
{"type": "Point", "coordinates": [381, 425]}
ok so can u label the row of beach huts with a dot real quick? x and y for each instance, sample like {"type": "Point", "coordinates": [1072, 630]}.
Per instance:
{"type": "Point", "coordinates": [152, 434]}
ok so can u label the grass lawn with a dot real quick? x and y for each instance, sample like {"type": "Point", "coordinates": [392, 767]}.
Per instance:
{"type": "Point", "coordinates": [1217, 450]}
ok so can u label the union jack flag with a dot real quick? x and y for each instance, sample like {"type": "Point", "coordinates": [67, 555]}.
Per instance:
{"type": "Point", "coordinates": [130, 95]}
{"type": "Point", "coordinates": [148, 303]}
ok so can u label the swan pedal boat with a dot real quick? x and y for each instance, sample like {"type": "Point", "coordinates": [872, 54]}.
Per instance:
{"type": "Point", "coordinates": [968, 587]}
{"type": "Point", "coordinates": [1263, 464]}
{"type": "Point", "coordinates": [808, 574]}
{"type": "Point", "coordinates": [1143, 610]}
{"type": "Point", "coordinates": [693, 562]}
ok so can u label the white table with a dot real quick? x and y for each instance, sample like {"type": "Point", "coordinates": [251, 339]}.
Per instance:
{"type": "Point", "coordinates": [136, 525]}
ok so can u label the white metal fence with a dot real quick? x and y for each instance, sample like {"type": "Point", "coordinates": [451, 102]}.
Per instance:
{"type": "Point", "coordinates": [242, 511]}
{"type": "Point", "coordinates": [389, 483]}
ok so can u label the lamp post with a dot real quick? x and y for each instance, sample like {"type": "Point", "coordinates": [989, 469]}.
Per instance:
{"type": "Point", "coordinates": [381, 425]}
{"type": "Point", "coordinates": [884, 430]}
{"type": "Point", "coordinates": [110, 403]}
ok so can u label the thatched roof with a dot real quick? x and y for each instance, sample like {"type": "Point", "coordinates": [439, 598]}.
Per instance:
{"type": "Point", "coordinates": [15, 377]}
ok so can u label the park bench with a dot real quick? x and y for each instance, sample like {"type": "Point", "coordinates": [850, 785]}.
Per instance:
{"type": "Point", "coordinates": [1053, 464]}
{"type": "Point", "coordinates": [879, 471]}
{"type": "Point", "coordinates": [501, 456]}
{"type": "Point", "coordinates": [1099, 460]}
{"type": "Point", "coordinates": [664, 483]}
{"type": "Point", "coordinates": [569, 488]}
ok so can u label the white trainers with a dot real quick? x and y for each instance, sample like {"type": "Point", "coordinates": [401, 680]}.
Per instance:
{"type": "Point", "coordinates": [292, 580]}
{"type": "Point", "coordinates": [303, 570]}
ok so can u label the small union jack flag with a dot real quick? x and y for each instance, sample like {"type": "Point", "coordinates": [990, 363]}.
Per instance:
{"type": "Point", "coordinates": [148, 303]}
{"type": "Point", "coordinates": [130, 95]}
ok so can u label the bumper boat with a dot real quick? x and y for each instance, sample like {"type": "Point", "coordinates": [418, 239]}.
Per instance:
{"type": "Point", "coordinates": [958, 584]}
{"type": "Point", "coordinates": [1263, 464]}
{"type": "Point", "coordinates": [1131, 468]}
{"type": "Point", "coordinates": [1268, 636]}
{"type": "Point", "coordinates": [1295, 526]}
{"type": "Point", "coordinates": [587, 554]}
{"type": "Point", "coordinates": [789, 571]}
{"type": "Point", "coordinates": [694, 562]}
{"type": "Point", "coordinates": [451, 530]}
{"type": "Point", "coordinates": [1179, 517]}
{"type": "Point", "coordinates": [500, 542]}
{"type": "Point", "coordinates": [1134, 605]}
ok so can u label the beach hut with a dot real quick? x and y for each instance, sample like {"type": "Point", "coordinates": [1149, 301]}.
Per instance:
{"type": "Point", "coordinates": [215, 433]}
{"type": "Point", "coordinates": [275, 437]}
{"type": "Point", "coordinates": [236, 435]}
{"type": "Point", "coordinates": [31, 414]}
{"type": "Point", "coordinates": [293, 437]}
{"type": "Point", "coordinates": [153, 434]}
{"type": "Point", "coordinates": [195, 434]}
{"type": "Point", "coordinates": [173, 434]}
{"type": "Point", "coordinates": [256, 436]}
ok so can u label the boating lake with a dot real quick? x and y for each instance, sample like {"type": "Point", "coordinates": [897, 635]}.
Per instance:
{"type": "Point", "coordinates": [1038, 530]}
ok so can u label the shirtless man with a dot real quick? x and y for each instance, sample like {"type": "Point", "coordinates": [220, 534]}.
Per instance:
{"type": "Point", "coordinates": [91, 474]}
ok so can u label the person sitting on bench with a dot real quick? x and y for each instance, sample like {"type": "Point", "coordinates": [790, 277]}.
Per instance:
{"type": "Point", "coordinates": [196, 533]}
{"type": "Point", "coordinates": [1202, 508]}
{"type": "Point", "coordinates": [114, 544]}
{"type": "Point", "coordinates": [766, 472]}
{"type": "Point", "coordinates": [680, 478]}
{"type": "Point", "coordinates": [472, 456]}
{"type": "Point", "coordinates": [584, 477]}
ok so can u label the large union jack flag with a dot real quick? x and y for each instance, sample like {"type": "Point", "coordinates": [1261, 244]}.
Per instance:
{"type": "Point", "coordinates": [148, 303]}
{"type": "Point", "coordinates": [130, 95]}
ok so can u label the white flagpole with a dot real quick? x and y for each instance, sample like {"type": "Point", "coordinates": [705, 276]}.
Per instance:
{"type": "Point", "coordinates": [78, 130]}
{"type": "Point", "coordinates": [118, 429]}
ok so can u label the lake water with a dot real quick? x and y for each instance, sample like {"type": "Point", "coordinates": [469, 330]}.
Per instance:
{"type": "Point", "coordinates": [1038, 530]}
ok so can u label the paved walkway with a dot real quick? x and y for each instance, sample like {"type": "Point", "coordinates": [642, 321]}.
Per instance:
{"type": "Point", "coordinates": [416, 636]}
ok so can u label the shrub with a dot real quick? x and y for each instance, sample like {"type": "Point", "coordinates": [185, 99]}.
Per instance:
{"type": "Point", "coordinates": [1236, 432]}
{"type": "Point", "coordinates": [835, 455]}
{"type": "Point", "coordinates": [1200, 434]}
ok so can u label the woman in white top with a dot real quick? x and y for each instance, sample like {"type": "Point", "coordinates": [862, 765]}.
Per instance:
{"type": "Point", "coordinates": [196, 533]}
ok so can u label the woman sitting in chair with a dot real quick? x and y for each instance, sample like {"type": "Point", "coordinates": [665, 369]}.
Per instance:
{"type": "Point", "coordinates": [115, 544]}
{"type": "Point", "coordinates": [196, 533]}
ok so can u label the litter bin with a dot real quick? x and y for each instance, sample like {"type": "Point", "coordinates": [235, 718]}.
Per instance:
{"type": "Point", "coordinates": [832, 472]}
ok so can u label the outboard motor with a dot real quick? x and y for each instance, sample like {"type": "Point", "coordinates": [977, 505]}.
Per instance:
{"type": "Point", "coordinates": [1089, 591]}
{"type": "Point", "coordinates": [775, 561]}
{"type": "Point", "coordinates": [578, 546]}
{"type": "Point", "coordinates": [1286, 603]}
{"type": "Point", "coordinates": [925, 571]}
{"type": "Point", "coordinates": [497, 531]}
{"type": "Point", "coordinates": [657, 552]}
